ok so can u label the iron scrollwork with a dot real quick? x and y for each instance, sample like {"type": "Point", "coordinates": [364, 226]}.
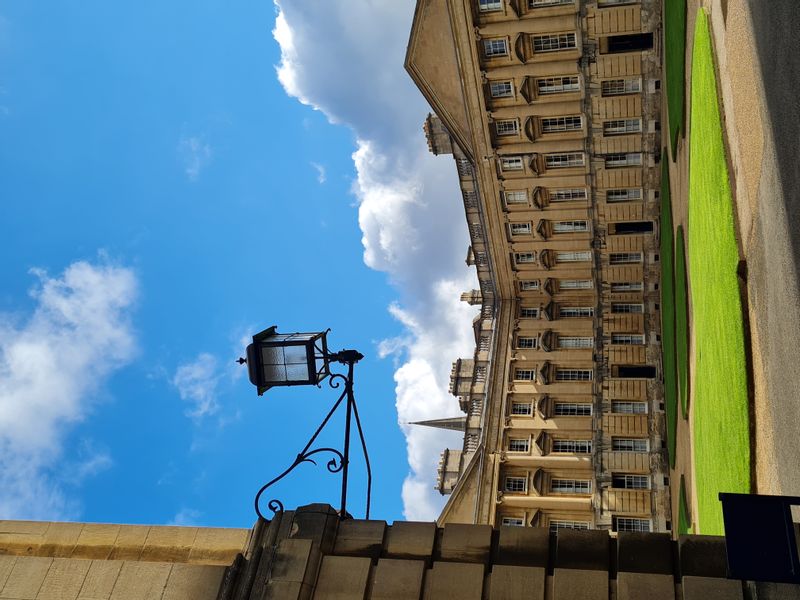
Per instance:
{"type": "Point", "coordinates": [339, 463]}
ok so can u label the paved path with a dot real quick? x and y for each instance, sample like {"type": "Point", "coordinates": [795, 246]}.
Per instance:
{"type": "Point", "coordinates": [773, 251]}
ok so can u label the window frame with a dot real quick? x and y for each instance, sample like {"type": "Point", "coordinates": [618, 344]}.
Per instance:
{"type": "Point", "coordinates": [519, 445]}
{"type": "Point", "coordinates": [502, 88]}
{"type": "Point", "coordinates": [571, 447]}
{"type": "Point", "coordinates": [630, 445]}
{"type": "Point", "coordinates": [520, 197]}
{"type": "Point", "coordinates": [512, 163]}
{"type": "Point", "coordinates": [569, 374]}
{"type": "Point", "coordinates": [557, 84]}
{"type": "Point", "coordinates": [612, 87]}
{"type": "Point", "coordinates": [575, 342]}
{"type": "Point", "coordinates": [525, 407]}
{"type": "Point", "coordinates": [572, 409]}
{"type": "Point", "coordinates": [520, 481]}
{"type": "Point", "coordinates": [554, 42]}
{"type": "Point", "coordinates": [560, 485]}
{"type": "Point", "coordinates": [491, 47]}
{"type": "Point", "coordinates": [506, 127]}
{"type": "Point", "coordinates": [580, 312]}
{"type": "Point", "coordinates": [619, 407]}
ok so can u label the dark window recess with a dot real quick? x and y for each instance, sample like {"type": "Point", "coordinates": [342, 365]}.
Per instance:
{"type": "Point", "coordinates": [669, 525]}
{"type": "Point", "coordinates": [657, 83]}
{"type": "Point", "coordinates": [655, 286]}
{"type": "Point", "coordinates": [660, 406]}
{"type": "Point", "coordinates": [666, 480]}
{"type": "Point", "coordinates": [627, 227]}
{"type": "Point", "coordinates": [633, 371]}
{"type": "Point", "coordinates": [631, 42]}
{"type": "Point", "coordinates": [658, 125]}
{"type": "Point", "coordinates": [658, 338]}
{"type": "Point", "coordinates": [658, 307]}
{"type": "Point", "coordinates": [656, 194]}
{"type": "Point", "coordinates": [656, 258]}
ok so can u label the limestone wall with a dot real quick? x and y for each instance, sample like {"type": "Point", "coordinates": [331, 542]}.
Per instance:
{"type": "Point", "coordinates": [70, 561]}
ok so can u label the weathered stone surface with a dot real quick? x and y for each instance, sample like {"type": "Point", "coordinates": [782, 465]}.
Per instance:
{"type": "Point", "coordinates": [22, 537]}
{"type": "Point", "coordinates": [6, 564]}
{"type": "Point", "coordinates": [466, 543]}
{"type": "Point", "coordinates": [703, 555]}
{"type": "Point", "coordinates": [141, 580]}
{"type": "Point", "coordinates": [292, 560]}
{"type": "Point", "coordinates": [397, 579]}
{"type": "Point", "coordinates": [60, 539]}
{"type": "Point", "coordinates": [26, 577]}
{"type": "Point", "coordinates": [582, 550]}
{"type": "Point", "coordinates": [580, 584]}
{"type": "Point", "coordinates": [316, 522]}
{"type": "Point", "coordinates": [64, 579]}
{"type": "Point", "coordinates": [357, 537]}
{"type": "Point", "coordinates": [454, 580]}
{"type": "Point", "coordinates": [711, 588]}
{"type": "Point", "coordinates": [524, 546]}
{"type": "Point", "coordinates": [410, 539]}
{"type": "Point", "coordinates": [511, 583]}
{"type": "Point", "coordinates": [100, 580]}
{"type": "Point", "coordinates": [129, 542]}
{"type": "Point", "coordinates": [644, 552]}
{"type": "Point", "coordinates": [217, 545]}
{"type": "Point", "coordinates": [649, 586]}
{"type": "Point", "coordinates": [95, 541]}
{"type": "Point", "coordinates": [343, 578]}
{"type": "Point", "coordinates": [193, 582]}
{"type": "Point", "coordinates": [168, 544]}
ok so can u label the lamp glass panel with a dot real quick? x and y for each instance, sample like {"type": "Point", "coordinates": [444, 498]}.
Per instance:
{"type": "Point", "coordinates": [298, 372]}
{"type": "Point", "coordinates": [274, 373]}
{"type": "Point", "coordinates": [295, 355]}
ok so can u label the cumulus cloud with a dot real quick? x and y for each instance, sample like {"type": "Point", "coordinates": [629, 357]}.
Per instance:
{"type": "Point", "coordinates": [345, 59]}
{"type": "Point", "coordinates": [196, 382]}
{"type": "Point", "coordinates": [51, 365]}
{"type": "Point", "coordinates": [195, 153]}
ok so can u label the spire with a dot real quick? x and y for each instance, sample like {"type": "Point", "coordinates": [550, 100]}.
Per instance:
{"type": "Point", "coordinates": [451, 423]}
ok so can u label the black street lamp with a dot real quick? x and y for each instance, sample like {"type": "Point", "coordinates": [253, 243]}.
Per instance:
{"type": "Point", "coordinates": [281, 359]}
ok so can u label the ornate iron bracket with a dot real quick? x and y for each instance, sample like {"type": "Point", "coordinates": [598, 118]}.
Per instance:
{"type": "Point", "coordinates": [340, 461]}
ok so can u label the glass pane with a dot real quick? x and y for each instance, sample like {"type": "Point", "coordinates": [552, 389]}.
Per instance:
{"type": "Point", "coordinates": [297, 373]}
{"type": "Point", "coordinates": [295, 355]}
{"type": "Point", "coordinates": [272, 356]}
{"type": "Point", "coordinates": [274, 373]}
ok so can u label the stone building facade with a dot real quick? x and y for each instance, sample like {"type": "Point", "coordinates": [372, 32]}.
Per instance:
{"type": "Point", "coordinates": [550, 109]}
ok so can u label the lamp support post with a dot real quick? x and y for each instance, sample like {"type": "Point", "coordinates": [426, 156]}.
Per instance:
{"type": "Point", "coordinates": [340, 460]}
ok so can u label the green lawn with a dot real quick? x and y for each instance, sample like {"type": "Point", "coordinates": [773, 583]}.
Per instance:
{"type": "Point", "coordinates": [682, 322]}
{"type": "Point", "coordinates": [720, 405]}
{"type": "Point", "coordinates": [684, 514]}
{"type": "Point", "coordinates": [668, 313]}
{"type": "Point", "coordinates": [675, 59]}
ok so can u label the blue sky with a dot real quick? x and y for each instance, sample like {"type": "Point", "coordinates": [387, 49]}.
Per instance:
{"type": "Point", "coordinates": [177, 176]}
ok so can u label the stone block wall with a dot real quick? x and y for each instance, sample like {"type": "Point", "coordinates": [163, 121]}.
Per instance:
{"type": "Point", "coordinates": [312, 554]}
{"type": "Point", "coordinates": [88, 561]}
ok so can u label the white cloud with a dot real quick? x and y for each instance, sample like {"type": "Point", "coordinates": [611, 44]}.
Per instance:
{"type": "Point", "coordinates": [186, 517]}
{"type": "Point", "coordinates": [409, 206]}
{"type": "Point", "coordinates": [320, 169]}
{"type": "Point", "coordinates": [196, 383]}
{"type": "Point", "coordinates": [51, 365]}
{"type": "Point", "coordinates": [195, 153]}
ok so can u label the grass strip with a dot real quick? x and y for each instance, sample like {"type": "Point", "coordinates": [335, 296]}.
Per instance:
{"type": "Point", "coordinates": [682, 322]}
{"type": "Point", "coordinates": [684, 514]}
{"type": "Point", "coordinates": [720, 405]}
{"type": "Point", "coordinates": [675, 61]}
{"type": "Point", "coordinates": [668, 314]}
